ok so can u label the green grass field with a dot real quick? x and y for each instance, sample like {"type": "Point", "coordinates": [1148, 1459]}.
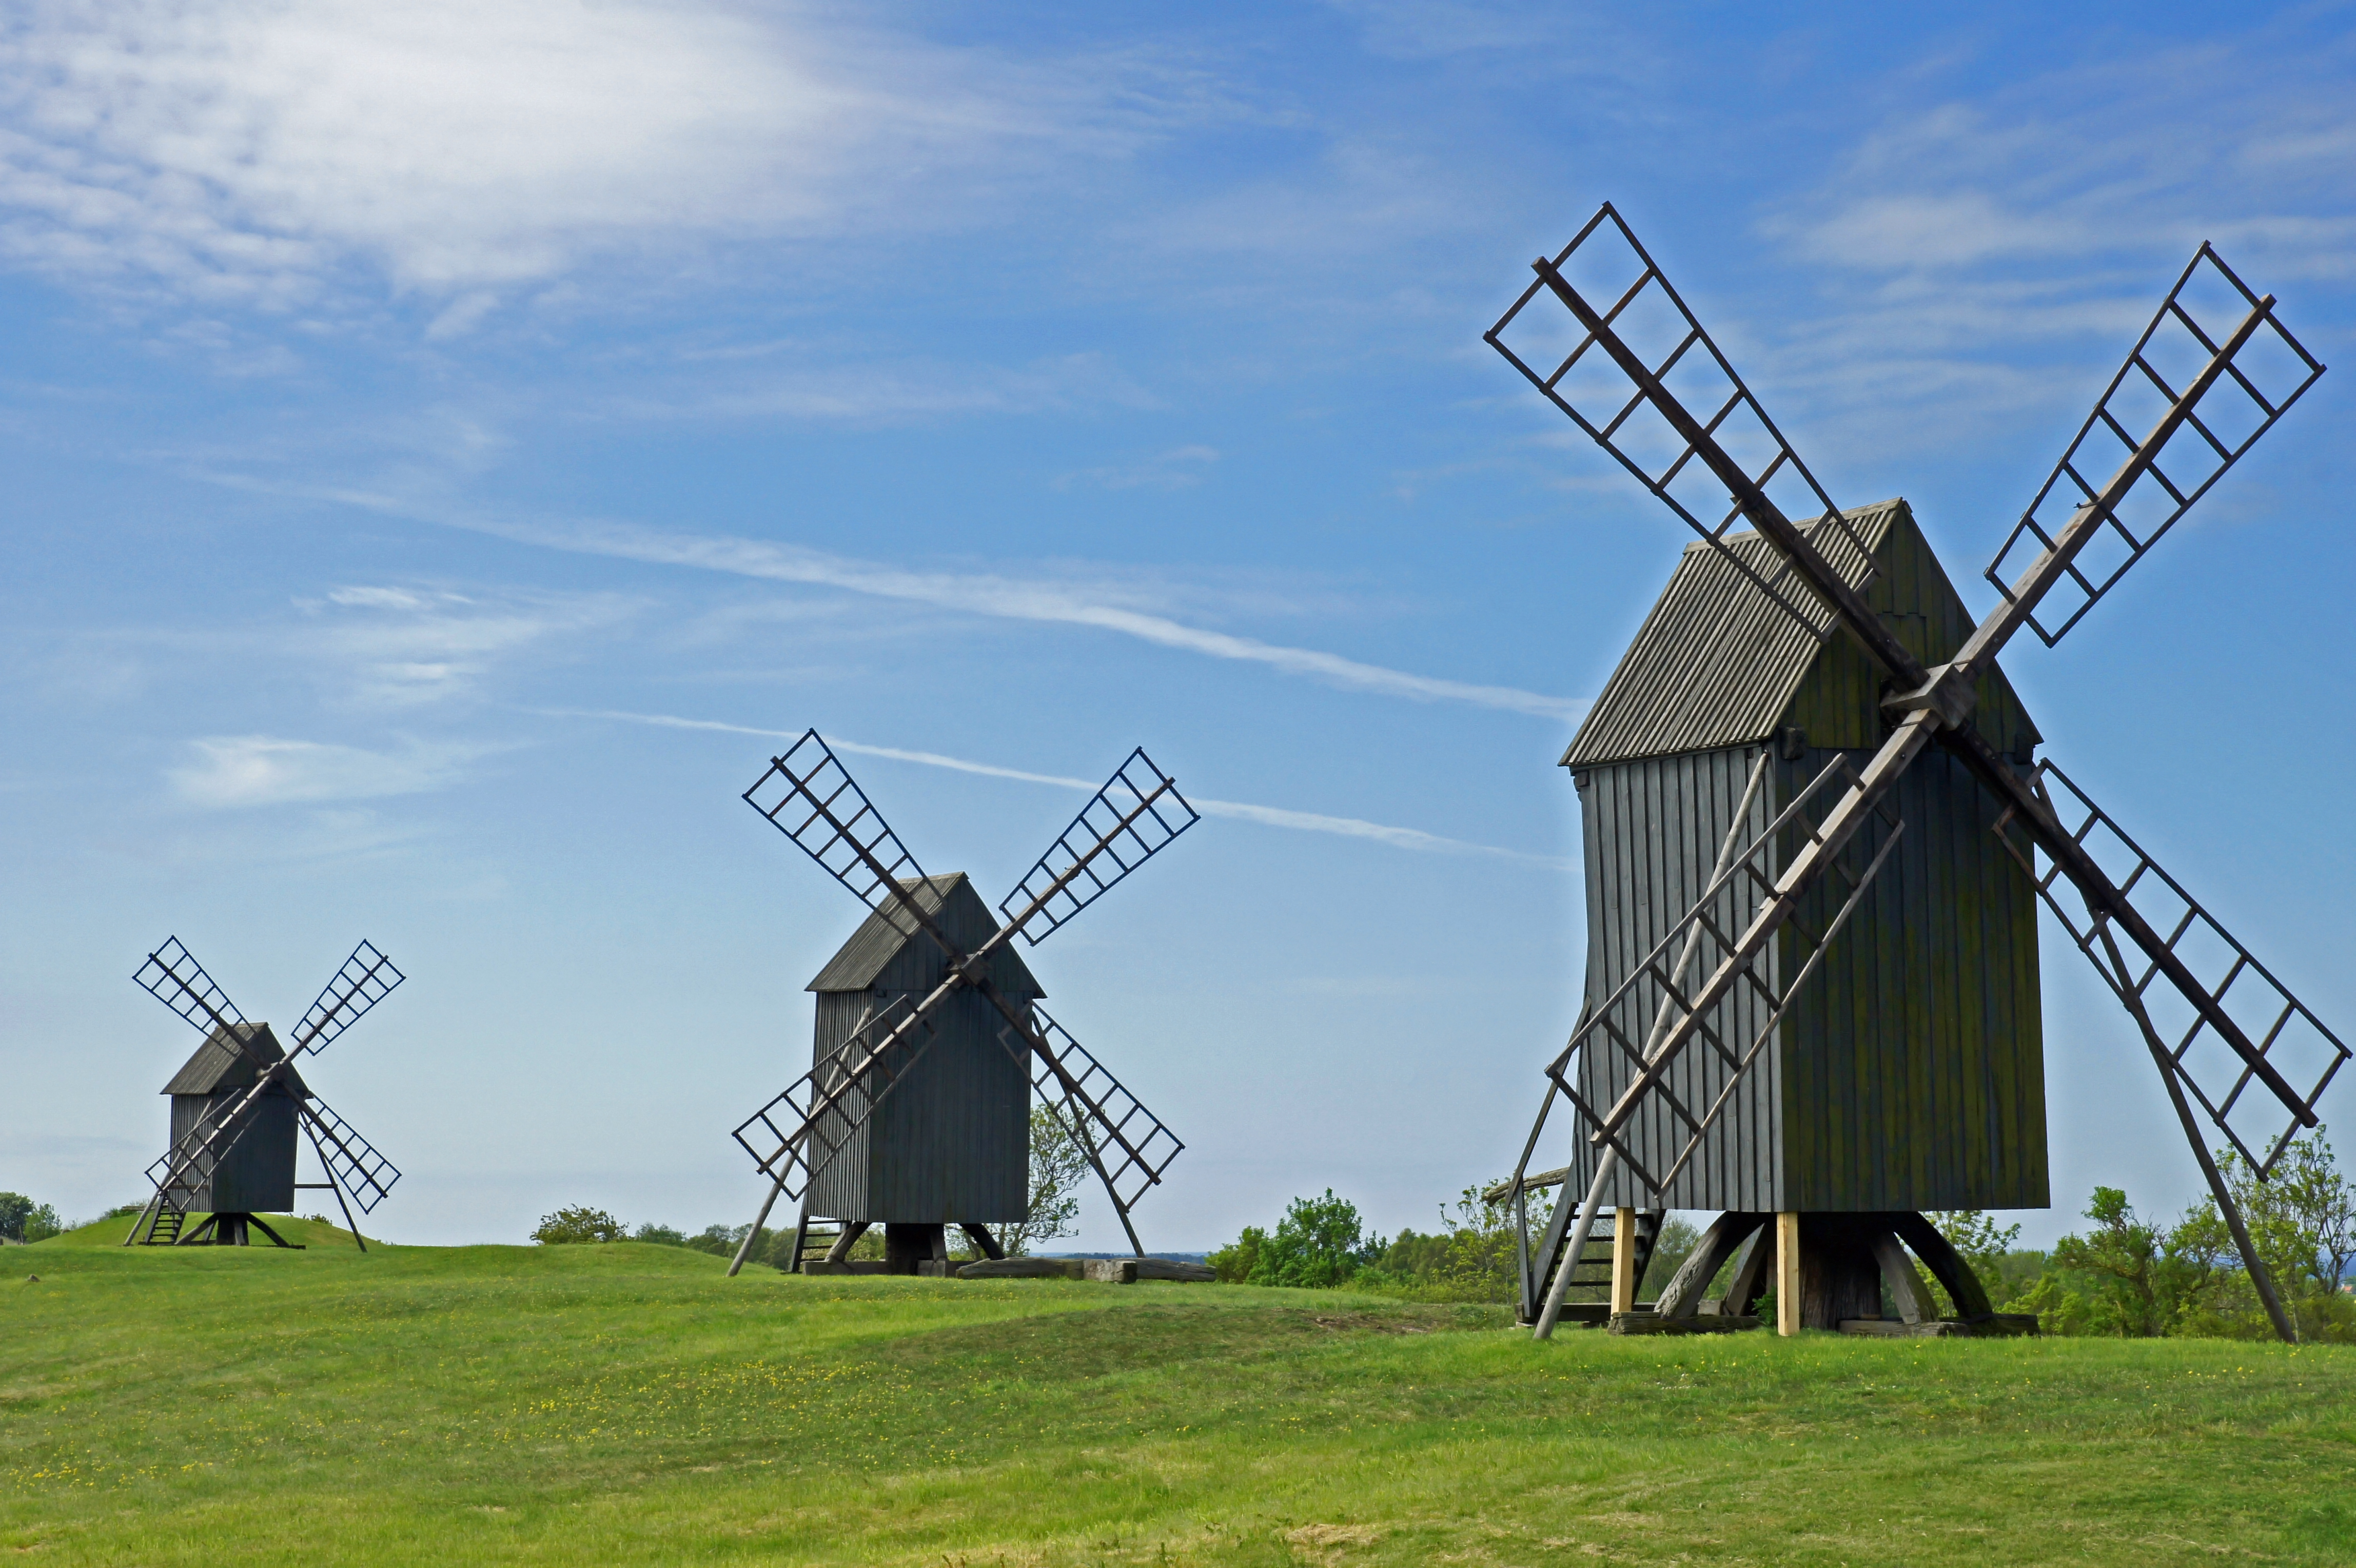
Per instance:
{"type": "Point", "coordinates": [628, 1403]}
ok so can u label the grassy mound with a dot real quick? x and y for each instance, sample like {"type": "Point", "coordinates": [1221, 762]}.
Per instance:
{"type": "Point", "coordinates": [625, 1403]}
{"type": "Point", "coordinates": [305, 1233]}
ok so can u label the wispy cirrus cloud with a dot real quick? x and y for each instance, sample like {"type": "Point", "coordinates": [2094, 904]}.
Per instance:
{"type": "Point", "coordinates": [983, 594]}
{"type": "Point", "coordinates": [225, 772]}
{"type": "Point", "coordinates": [1180, 468]}
{"type": "Point", "coordinates": [1102, 605]}
{"type": "Point", "coordinates": [1978, 243]}
{"type": "Point", "coordinates": [406, 646]}
{"type": "Point", "coordinates": [1267, 816]}
{"type": "Point", "coordinates": [262, 152]}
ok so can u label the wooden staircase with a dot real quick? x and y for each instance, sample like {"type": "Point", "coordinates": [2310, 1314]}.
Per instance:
{"type": "Point", "coordinates": [1593, 1268]}
{"type": "Point", "coordinates": [813, 1238]}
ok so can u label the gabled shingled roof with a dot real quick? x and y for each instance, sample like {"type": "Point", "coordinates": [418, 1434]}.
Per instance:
{"type": "Point", "coordinates": [1716, 662]}
{"type": "Point", "coordinates": [219, 1065]}
{"type": "Point", "coordinates": [949, 899]}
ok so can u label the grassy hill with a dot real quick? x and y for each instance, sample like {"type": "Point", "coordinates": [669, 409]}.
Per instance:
{"type": "Point", "coordinates": [628, 1403]}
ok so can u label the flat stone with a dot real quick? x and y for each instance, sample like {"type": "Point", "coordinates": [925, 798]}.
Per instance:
{"type": "Point", "coordinates": [1024, 1268]}
{"type": "Point", "coordinates": [1699, 1322]}
{"type": "Point", "coordinates": [1170, 1269]}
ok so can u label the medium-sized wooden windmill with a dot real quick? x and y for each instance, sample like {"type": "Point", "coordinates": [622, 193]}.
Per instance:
{"type": "Point", "coordinates": [930, 1041]}
{"type": "Point", "coordinates": [238, 1108]}
{"type": "Point", "coordinates": [1816, 837]}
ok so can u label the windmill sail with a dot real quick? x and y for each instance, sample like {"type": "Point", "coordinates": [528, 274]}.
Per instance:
{"type": "Point", "coordinates": [2265, 371]}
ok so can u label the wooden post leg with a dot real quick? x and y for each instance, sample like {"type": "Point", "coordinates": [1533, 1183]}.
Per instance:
{"type": "Point", "coordinates": [1623, 1260]}
{"type": "Point", "coordinates": [754, 1234]}
{"type": "Point", "coordinates": [1787, 1274]}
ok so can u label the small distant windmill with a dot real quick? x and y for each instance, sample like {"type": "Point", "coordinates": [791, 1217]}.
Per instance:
{"type": "Point", "coordinates": [238, 1106]}
{"type": "Point", "coordinates": [930, 1041]}
{"type": "Point", "coordinates": [1811, 753]}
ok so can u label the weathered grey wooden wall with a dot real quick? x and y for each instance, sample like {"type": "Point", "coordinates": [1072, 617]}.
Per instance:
{"type": "Point", "coordinates": [1914, 1063]}
{"type": "Point", "coordinates": [257, 1175]}
{"type": "Point", "coordinates": [952, 1141]}
{"type": "Point", "coordinates": [1910, 1072]}
{"type": "Point", "coordinates": [1653, 829]}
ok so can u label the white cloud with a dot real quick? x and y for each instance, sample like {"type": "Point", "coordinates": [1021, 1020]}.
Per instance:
{"type": "Point", "coordinates": [232, 771]}
{"type": "Point", "coordinates": [1014, 599]}
{"type": "Point", "coordinates": [1180, 468]}
{"type": "Point", "coordinates": [1995, 254]}
{"type": "Point", "coordinates": [1267, 816]}
{"type": "Point", "coordinates": [821, 384]}
{"type": "Point", "coordinates": [253, 150]}
{"type": "Point", "coordinates": [403, 647]}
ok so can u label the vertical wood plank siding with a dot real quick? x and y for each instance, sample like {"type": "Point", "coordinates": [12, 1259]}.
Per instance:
{"type": "Point", "coordinates": [1913, 1061]}
{"type": "Point", "coordinates": [257, 1175]}
{"type": "Point", "coordinates": [1653, 829]}
{"type": "Point", "coordinates": [1910, 1073]}
{"type": "Point", "coordinates": [952, 1141]}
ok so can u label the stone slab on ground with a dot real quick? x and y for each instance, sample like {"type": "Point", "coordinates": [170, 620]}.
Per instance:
{"type": "Point", "coordinates": [1024, 1268]}
{"type": "Point", "coordinates": [1699, 1322]}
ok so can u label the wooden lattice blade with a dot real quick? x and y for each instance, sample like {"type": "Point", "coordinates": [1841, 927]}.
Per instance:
{"type": "Point", "coordinates": [2205, 419]}
{"type": "Point", "coordinates": [2259, 1091]}
{"type": "Point", "coordinates": [365, 979]}
{"type": "Point", "coordinates": [1134, 818]}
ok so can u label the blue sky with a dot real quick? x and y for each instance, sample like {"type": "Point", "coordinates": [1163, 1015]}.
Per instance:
{"type": "Point", "coordinates": [444, 445]}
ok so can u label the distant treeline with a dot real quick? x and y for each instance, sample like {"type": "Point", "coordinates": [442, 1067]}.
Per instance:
{"type": "Point", "coordinates": [2125, 1275]}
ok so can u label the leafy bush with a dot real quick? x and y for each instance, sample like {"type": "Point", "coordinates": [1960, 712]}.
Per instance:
{"type": "Point", "coordinates": [1476, 1255]}
{"type": "Point", "coordinates": [2136, 1278]}
{"type": "Point", "coordinates": [1234, 1263]}
{"type": "Point", "coordinates": [1319, 1243]}
{"type": "Point", "coordinates": [578, 1224]}
{"type": "Point", "coordinates": [22, 1219]}
{"type": "Point", "coordinates": [1059, 1166]}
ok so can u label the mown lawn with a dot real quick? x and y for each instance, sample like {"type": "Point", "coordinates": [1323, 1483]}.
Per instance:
{"type": "Point", "coordinates": [630, 1404]}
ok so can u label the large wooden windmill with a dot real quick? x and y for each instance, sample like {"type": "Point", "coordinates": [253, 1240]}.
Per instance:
{"type": "Point", "coordinates": [1816, 834]}
{"type": "Point", "coordinates": [929, 1042]}
{"type": "Point", "coordinates": [238, 1107]}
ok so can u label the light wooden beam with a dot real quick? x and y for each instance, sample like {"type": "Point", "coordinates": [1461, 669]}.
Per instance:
{"type": "Point", "coordinates": [1787, 1274]}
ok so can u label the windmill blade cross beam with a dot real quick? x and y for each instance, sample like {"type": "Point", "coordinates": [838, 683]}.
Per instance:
{"type": "Point", "coordinates": [366, 979]}
{"type": "Point", "coordinates": [2130, 516]}
{"type": "Point", "coordinates": [1681, 1016]}
{"type": "Point", "coordinates": [2056, 560]}
{"type": "Point", "coordinates": [2113, 965]}
{"type": "Point", "coordinates": [1738, 418]}
{"type": "Point", "coordinates": [173, 977]}
{"type": "Point", "coordinates": [1144, 830]}
{"type": "Point", "coordinates": [857, 848]}
{"type": "Point", "coordinates": [1858, 803]}
{"type": "Point", "coordinates": [815, 1100]}
{"type": "Point", "coordinates": [1782, 1005]}
{"type": "Point", "coordinates": [1061, 1065]}
{"type": "Point", "coordinates": [2230, 980]}
{"type": "Point", "coordinates": [352, 1162]}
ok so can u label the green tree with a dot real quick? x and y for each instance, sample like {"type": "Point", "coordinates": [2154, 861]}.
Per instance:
{"type": "Point", "coordinates": [578, 1224]}
{"type": "Point", "coordinates": [661, 1235]}
{"type": "Point", "coordinates": [1234, 1262]}
{"type": "Point", "coordinates": [1475, 1254]}
{"type": "Point", "coordinates": [1984, 1245]}
{"type": "Point", "coordinates": [1319, 1243]}
{"type": "Point", "coordinates": [2147, 1281]}
{"type": "Point", "coordinates": [1059, 1166]}
{"type": "Point", "coordinates": [22, 1219]}
{"type": "Point", "coordinates": [2302, 1218]}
